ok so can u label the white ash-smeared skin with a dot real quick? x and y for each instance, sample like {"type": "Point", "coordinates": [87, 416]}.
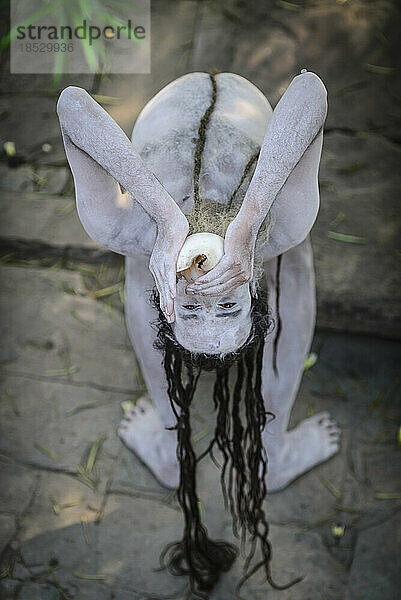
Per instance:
{"type": "Point", "coordinates": [166, 131]}
{"type": "Point", "coordinates": [101, 155]}
{"type": "Point", "coordinates": [212, 324]}
{"type": "Point", "coordinates": [148, 221]}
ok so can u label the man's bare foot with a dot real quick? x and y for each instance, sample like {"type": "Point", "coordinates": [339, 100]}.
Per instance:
{"type": "Point", "coordinates": [142, 431]}
{"type": "Point", "coordinates": [313, 441]}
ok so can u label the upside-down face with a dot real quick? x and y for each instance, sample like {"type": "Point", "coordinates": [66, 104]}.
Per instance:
{"type": "Point", "coordinates": [212, 324]}
{"type": "Point", "coordinates": [208, 324]}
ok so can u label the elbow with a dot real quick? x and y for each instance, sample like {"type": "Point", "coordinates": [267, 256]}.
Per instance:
{"type": "Point", "coordinates": [313, 83]}
{"type": "Point", "coordinates": [315, 92]}
{"type": "Point", "coordinates": [71, 98]}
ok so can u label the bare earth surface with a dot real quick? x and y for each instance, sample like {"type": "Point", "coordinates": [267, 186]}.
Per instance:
{"type": "Point", "coordinates": [80, 516]}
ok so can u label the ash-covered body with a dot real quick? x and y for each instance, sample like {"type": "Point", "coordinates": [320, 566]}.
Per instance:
{"type": "Point", "coordinates": [166, 133]}
{"type": "Point", "coordinates": [284, 187]}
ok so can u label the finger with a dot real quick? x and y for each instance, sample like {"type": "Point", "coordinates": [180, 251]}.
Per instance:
{"type": "Point", "coordinates": [169, 303]}
{"type": "Point", "coordinates": [172, 283]}
{"type": "Point", "coordinates": [157, 278]}
{"type": "Point", "coordinates": [218, 270]}
{"type": "Point", "coordinates": [221, 288]}
{"type": "Point", "coordinates": [162, 299]}
{"type": "Point", "coordinates": [226, 276]}
{"type": "Point", "coordinates": [165, 299]}
{"type": "Point", "coordinates": [154, 275]}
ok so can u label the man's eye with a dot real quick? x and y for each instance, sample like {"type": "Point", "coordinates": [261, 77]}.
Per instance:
{"type": "Point", "coordinates": [190, 306]}
{"type": "Point", "coordinates": [227, 305]}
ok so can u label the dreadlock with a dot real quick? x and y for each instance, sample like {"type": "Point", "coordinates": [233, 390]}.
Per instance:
{"type": "Point", "coordinates": [238, 437]}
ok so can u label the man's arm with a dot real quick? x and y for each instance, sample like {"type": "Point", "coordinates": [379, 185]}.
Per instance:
{"type": "Point", "coordinates": [297, 120]}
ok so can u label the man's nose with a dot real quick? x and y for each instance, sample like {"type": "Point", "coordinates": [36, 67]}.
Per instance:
{"type": "Point", "coordinates": [208, 304]}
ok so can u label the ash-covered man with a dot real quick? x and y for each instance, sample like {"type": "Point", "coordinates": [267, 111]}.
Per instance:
{"type": "Point", "coordinates": [219, 192]}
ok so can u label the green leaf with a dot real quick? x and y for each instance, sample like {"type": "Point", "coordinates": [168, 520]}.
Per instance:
{"type": "Point", "coordinates": [88, 50]}
{"type": "Point", "coordinates": [86, 576]}
{"type": "Point", "coordinates": [108, 291]}
{"type": "Point", "coordinates": [85, 529]}
{"type": "Point", "coordinates": [55, 505]}
{"type": "Point", "coordinates": [108, 100]}
{"type": "Point", "coordinates": [9, 148]}
{"type": "Point", "coordinates": [355, 168]}
{"type": "Point", "coordinates": [344, 237]}
{"type": "Point", "coordinates": [388, 496]}
{"type": "Point", "coordinates": [379, 69]}
{"type": "Point", "coordinates": [81, 407]}
{"type": "Point", "coordinates": [59, 63]}
{"type": "Point", "coordinates": [93, 452]}
{"type": "Point", "coordinates": [59, 372]}
{"type": "Point", "coordinates": [332, 488]}
{"type": "Point", "coordinates": [288, 5]}
{"type": "Point", "coordinates": [201, 434]}
{"type": "Point", "coordinates": [85, 477]}
{"type": "Point", "coordinates": [46, 451]}
{"type": "Point", "coordinates": [31, 19]}
{"type": "Point", "coordinates": [339, 219]}
{"type": "Point", "coordinates": [202, 511]}
{"type": "Point", "coordinates": [310, 411]}
{"type": "Point", "coordinates": [13, 403]}
{"type": "Point", "coordinates": [310, 360]}
{"type": "Point", "coordinates": [338, 530]}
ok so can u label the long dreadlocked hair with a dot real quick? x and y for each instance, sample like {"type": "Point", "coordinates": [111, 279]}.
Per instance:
{"type": "Point", "coordinates": [239, 439]}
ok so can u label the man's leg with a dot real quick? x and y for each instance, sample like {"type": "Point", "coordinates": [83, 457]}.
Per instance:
{"type": "Point", "coordinates": [144, 429]}
{"type": "Point", "coordinates": [315, 439]}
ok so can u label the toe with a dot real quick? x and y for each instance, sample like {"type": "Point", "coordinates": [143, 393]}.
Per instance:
{"type": "Point", "coordinates": [335, 446]}
{"type": "Point", "coordinates": [330, 426]}
{"type": "Point", "coordinates": [143, 405]}
{"type": "Point", "coordinates": [121, 431]}
{"type": "Point", "coordinates": [322, 418]}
